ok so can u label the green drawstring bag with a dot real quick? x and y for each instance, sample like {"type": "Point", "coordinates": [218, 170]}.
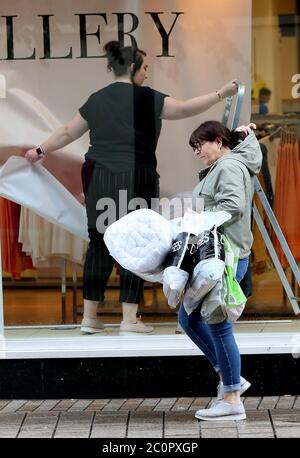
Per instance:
{"type": "Point", "coordinates": [235, 299]}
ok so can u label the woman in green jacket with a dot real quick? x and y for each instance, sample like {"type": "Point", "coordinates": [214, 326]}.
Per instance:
{"type": "Point", "coordinates": [226, 183]}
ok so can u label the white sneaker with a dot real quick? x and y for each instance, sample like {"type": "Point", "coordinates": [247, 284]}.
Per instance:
{"type": "Point", "coordinates": [91, 326]}
{"type": "Point", "coordinates": [244, 386]}
{"type": "Point", "coordinates": [138, 327]}
{"type": "Point", "coordinates": [221, 411]}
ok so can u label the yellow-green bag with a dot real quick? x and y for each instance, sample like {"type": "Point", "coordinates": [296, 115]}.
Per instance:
{"type": "Point", "coordinates": [235, 299]}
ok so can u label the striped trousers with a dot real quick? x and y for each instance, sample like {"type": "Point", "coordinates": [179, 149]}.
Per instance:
{"type": "Point", "coordinates": [98, 183]}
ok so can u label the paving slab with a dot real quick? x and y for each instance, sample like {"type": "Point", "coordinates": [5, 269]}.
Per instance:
{"type": "Point", "coordinates": [64, 405]}
{"type": "Point", "coordinates": [165, 404]}
{"type": "Point", "coordinates": [114, 405]}
{"type": "Point", "coordinates": [219, 433]}
{"type": "Point", "coordinates": [48, 405]}
{"type": "Point", "coordinates": [177, 424]}
{"type": "Point", "coordinates": [252, 403]}
{"type": "Point", "coordinates": [109, 425]}
{"type": "Point", "coordinates": [200, 403]}
{"type": "Point", "coordinates": [80, 405]}
{"type": "Point", "coordinates": [286, 402]}
{"type": "Point", "coordinates": [10, 424]}
{"type": "Point", "coordinates": [148, 404]}
{"type": "Point", "coordinates": [74, 424]}
{"type": "Point", "coordinates": [13, 406]}
{"type": "Point", "coordinates": [148, 424]}
{"type": "Point", "coordinates": [131, 404]}
{"type": "Point", "coordinates": [30, 406]}
{"type": "Point", "coordinates": [182, 404]}
{"type": "Point", "coordinates": [3, 403]}
{"type": "Point", "coordinates": [38, 426]}
{"type": "Point", "coordinates": [98, 404]}
{"type": "Point", "coordinates": [268, 417]}
{"type": "Point", "coordinates": [269, 402]}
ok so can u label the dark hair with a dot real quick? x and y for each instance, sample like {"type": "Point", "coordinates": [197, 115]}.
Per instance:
{"type": "Point", "coordinates": [121, 57]}
{"type": "Point", "coordinates": [264, 91]}
{"type": "Point", "coordinates": [209, 131]}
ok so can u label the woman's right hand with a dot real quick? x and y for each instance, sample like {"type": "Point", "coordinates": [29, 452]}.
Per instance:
{"type": "Point", "coordinates": [32, 156]}
{"type": "Point", "coordinates": [229, 89]}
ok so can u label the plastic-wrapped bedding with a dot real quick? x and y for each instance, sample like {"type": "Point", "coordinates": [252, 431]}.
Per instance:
{"type": "Point", "coordinates": [140, 242]}
{"type": "Point", "coordinates": [195, 262]}
{"type": "Point", "coordinates": [174, 282]}
{"type": "Point", "coordinates": [179, 264]}
{"type": "Point", "coordinates": [209, 268]}
{"type": "Point", "coordinates": [205, 276]}
{"type": "Point", "coordinates": [158, 250]}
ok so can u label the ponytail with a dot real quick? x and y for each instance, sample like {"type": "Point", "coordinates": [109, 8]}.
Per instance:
{"type": "Point", "coordinates": [119, 57]}
{"type": "Point", "coordinates": [211, 130]}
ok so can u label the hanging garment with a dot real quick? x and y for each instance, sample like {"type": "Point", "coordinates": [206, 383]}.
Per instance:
{"type": "Point", "coordinates": [14, 260]}
{"type": "Point", "coordinates": [266, 175]}
{"type": "Point", "coordinates": [273, 149]}
{"type": "Point", "coordinates": [44, 240]}
{"type": "Point", "coordinates": [260, 259]}
{"type": "Point", "coordinates": [287, 199]}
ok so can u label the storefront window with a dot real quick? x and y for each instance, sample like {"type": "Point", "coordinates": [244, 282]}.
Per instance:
{"type": "Point", "coordinates": [276, 111]}
{"type": "Point", "coordinates": [52, 60]}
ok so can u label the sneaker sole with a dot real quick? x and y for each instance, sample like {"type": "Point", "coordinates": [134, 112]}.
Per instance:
{"type": "Point", "coordinates": [125, 333]}
{"type": "Point", "coordinates": [87, 330]}
{"type": "Point", "coordinates": [237, 417]}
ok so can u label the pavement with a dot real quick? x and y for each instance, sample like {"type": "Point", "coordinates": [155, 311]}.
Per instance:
{"type": "Point", "coordinates": [267, 417]}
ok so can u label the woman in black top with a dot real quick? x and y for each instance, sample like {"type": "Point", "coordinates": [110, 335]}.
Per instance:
{"type": "Point", "coordinates": [124, 121]}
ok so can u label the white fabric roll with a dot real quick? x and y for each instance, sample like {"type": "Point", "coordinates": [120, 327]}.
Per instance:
{"type": "Point", "coordinates": [139, 241]}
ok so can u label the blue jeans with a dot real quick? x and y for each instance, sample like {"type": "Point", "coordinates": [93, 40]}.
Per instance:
{"type": "Point", "coordinates": [217, 341]}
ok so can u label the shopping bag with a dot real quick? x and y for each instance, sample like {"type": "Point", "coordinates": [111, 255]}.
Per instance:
{"type": "Point", "coordinates": [235, 300]}
{"type": "Point", "coordinates": [209, 268]}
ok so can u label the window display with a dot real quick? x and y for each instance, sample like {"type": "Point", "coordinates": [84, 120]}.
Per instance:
{"type": "Point", "coordinates": [82, 122]}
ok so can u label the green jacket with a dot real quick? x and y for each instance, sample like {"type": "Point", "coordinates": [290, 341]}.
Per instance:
{"type": "Point", "coordinates": [228, 185]}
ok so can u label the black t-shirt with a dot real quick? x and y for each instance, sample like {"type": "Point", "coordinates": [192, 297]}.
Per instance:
{"type": "Point", "coordinates": [124, 122]}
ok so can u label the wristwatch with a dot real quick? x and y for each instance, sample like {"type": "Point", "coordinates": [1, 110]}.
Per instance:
{"type": "Point", "coordinates": [40, 151]}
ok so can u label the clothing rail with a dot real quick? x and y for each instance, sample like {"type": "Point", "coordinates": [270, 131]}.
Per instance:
{"type": "Point", "coordinates": [269, 212]}
{"type": "Point", "coordinates": [279, 121]}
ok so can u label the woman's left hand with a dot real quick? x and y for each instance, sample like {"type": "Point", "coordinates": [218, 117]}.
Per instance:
{"type": "Point", "coordinates": [32, 156]}
{"type": "Point", "coordinates": [246, 129]}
